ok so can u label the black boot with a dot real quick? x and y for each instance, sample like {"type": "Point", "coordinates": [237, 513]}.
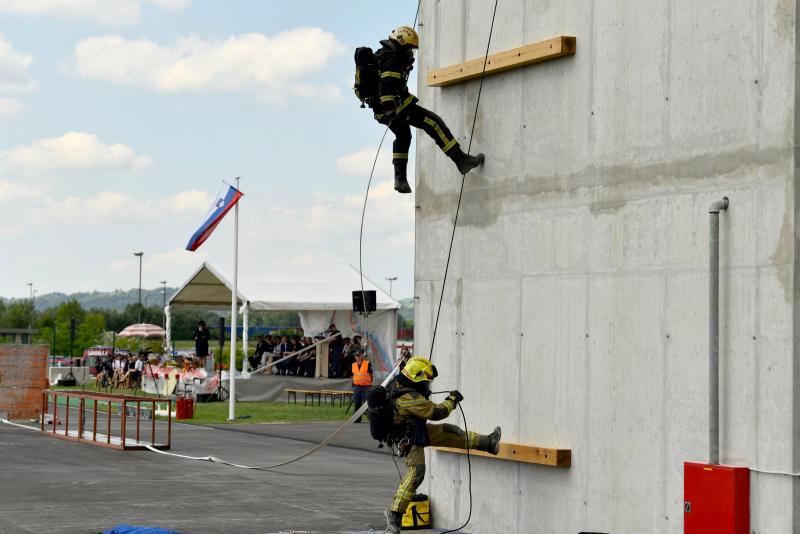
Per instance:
{"type": "Point", "coordinates": [465, 162]}
{"type": "Point", "coordinates": [490, 443]}
{"type": "Point", "coordinates": [400, 181]}
{"type": "Point", "coordinates": [392, 522]}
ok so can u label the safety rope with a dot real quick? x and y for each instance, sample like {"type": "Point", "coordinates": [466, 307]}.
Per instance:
{"type": "Point", "coordinates": [364, 208]}
{"type": "Point", "coordinates": [357, 414]}
{"type": "Point", "coordinates": [463, 180]}
{"type": "Point", "coordinates": [450, 252]}
{"type": "Point", "coordinates": [27, 427]}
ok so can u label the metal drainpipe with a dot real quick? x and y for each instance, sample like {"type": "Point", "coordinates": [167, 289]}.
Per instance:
{"type": "Point", "coordinates": [713, 331]}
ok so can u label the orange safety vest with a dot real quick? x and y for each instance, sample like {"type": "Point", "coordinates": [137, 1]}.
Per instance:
{"type": "Point", "coordinates": [360, 375]}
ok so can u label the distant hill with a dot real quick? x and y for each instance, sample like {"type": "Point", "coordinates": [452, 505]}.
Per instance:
{"type": "Point", "coordinates": [113, 300]}
{"type": "Point", "coordinates": [118, 299]}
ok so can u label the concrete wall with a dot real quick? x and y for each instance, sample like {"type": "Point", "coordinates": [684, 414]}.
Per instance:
{"type": "Point", "coordinates": [575, 313]}
{"type": "Point", "coordinates": [23, 378]}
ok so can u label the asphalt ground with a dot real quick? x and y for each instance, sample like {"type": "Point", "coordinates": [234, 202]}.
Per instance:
{"type": "Point", "coordinates": [51, 485]}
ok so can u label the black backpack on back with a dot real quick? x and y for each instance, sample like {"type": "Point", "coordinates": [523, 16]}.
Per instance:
{"type": "Point", "coordinates": [381, 411]}
{"type": "Point", "coordinates": [366, 82]}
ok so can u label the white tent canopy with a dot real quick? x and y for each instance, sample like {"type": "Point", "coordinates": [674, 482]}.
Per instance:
{"type": "Point", "coordinates": [320, 294]}
{"type": "Point", "coordinates": [205, 289]}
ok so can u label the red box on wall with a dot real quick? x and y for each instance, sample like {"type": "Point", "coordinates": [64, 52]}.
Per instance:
{"type": "Point", "coordinates": [716, 499]}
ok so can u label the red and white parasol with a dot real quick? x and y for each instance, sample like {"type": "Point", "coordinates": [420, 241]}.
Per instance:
{"type": "Point", "coordinates": [143, 330]}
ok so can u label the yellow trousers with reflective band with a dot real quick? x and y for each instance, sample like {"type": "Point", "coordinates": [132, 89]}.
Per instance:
{"type": "Point", "coordinates": [445, 435]}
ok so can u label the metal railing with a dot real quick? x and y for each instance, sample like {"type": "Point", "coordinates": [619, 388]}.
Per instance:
{"type": "Point", "coordinates": [106, 407]}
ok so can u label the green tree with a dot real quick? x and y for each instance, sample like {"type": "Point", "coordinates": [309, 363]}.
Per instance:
{"type": "Point", "coordinates": [90, 331]}
{"type": "Point", "coordinates": [18, 314]}
{"type": "Point", "coordinates": [70, 309]}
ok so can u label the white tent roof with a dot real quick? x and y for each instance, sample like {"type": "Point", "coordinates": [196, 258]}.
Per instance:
{"type": "Point", "coordinates": [206, 289]}
{"type": "Point", "coordinates": [325, 287]}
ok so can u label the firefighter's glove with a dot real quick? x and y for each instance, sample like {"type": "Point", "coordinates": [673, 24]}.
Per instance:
{"type": "Point", "coordinates": [456, 396]}
{"type": "Point", "coordinates": [384, 119]}
{"type": "Point", "coordinates": [390, 108]}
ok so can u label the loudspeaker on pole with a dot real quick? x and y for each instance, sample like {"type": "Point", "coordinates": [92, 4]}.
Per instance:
{"type": "Point", "coordinates": [364, 301]}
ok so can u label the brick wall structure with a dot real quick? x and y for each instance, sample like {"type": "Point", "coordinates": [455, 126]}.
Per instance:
{"type": "Point", "coordinates": [23, 378]}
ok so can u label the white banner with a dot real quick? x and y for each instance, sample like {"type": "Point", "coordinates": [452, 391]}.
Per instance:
{"type": "Point", "coordinates": [382, 332]}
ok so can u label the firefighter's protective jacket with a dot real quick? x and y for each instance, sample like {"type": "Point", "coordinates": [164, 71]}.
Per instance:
{"type": "Point", "coordinates": [394, 65]}
{"type": "Point", "coordinates": [414, 405]}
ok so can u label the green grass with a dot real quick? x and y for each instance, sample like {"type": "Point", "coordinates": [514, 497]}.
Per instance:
{"type": "Point", "coordinates": [216, 413]}
{"type": "Point", "coordinates": [91, 387]}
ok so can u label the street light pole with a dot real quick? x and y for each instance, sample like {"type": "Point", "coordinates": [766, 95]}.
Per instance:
{"type": "Point", "coordinates": [30, 290]}
{"type": "Point", "coordinates": [140, 254]}
{"type": "Point", "coordinates": [164, 304]}
{"type": "Point", "coordinates": [391, 279]}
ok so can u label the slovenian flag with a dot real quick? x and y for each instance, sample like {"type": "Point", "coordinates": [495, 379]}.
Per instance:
{"type": "Point", "coordinates": [222, 205]}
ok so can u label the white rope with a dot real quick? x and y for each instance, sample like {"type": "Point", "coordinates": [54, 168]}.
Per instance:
{"type": "Point", "coordinates": [356, 415]}
{"type": "Point", "coordinates": [7, 422]}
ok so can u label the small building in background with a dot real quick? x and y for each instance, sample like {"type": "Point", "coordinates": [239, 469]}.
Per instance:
{"type": "Point", "coordinates": [17, 336]}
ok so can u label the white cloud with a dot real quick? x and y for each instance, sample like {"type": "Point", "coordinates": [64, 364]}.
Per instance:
{"type": "Point", "coordinates": [193, 201]}
{"type": "Point", "coordinates": [279, 234]}
{"type": "Point", "coordinates": [172, 5]}
{"type": "Point", "coordinates": [108, 12]}
{"type": "Point", "coordinates": [14, 67]}
{"type": "Point", "coordinates": [13, 191]}
{"type": "Point", "coordinates": [9, 232]}
{"type": "Point", "coordinates": [75, 151]}
{"type": "Point", "coordinates": [178, 258]}
{"type": "Point", "coordinates": [106, 207]}
{"type": "Point", "coordinates": [331, 218]}
{"type": "Point", "coordinates": [359, 163]}
{"type": "Point", "coordinates": [273, 68]}
{"type": "Point", "coordinates": [311, 258]}
{"type": "Point", "coordinates": [95, 210]}
{"type": "Point", "coordinates": [10, 108]}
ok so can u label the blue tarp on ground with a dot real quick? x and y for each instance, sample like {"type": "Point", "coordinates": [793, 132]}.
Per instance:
{"type": "Point", "coordinates": [128, 529]}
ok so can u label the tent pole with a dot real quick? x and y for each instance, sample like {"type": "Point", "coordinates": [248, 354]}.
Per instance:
{"type": "Point", "coordinates": [245, 335]}
{"type": "Point", "coordinates": [168, 328]}
{"type": "Point", "coordinates": [234, 313]}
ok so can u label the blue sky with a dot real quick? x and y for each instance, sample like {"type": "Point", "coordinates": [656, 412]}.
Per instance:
{"type": "Point", "coordinates": [119, 119]}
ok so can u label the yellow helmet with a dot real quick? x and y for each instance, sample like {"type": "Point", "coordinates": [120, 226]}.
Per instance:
{"type": "Point", "coordinates": [406, 36]}
{"type": "Point", "coordinates": [419, 369]}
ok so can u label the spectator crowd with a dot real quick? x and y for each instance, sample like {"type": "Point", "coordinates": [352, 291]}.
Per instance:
{"type": "Point", "coordinates": [121, 371]}
{"type": "Point", "coordinates": [341, 354]}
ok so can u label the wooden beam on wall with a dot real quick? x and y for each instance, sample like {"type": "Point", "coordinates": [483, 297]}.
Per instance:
{"type": "Point", "coordinates": [502, 61]}
{"type": "Point", "coordinates": [522, 453]}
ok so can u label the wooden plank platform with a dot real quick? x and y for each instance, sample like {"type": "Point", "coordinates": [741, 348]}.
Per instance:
{"type": "Point", "coordinates": [515, 58]}
{"type": "Point", "coordinates": [522, 453]}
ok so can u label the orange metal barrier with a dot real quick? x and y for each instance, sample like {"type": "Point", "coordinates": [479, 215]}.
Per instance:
{"type": "Point", "coordinates": [121, 406]}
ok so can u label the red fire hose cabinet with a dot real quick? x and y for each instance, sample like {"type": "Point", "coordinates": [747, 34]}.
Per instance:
{"type": "Point", "coordinates": [716, 499]}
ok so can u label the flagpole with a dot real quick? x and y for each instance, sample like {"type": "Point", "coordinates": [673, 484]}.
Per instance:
{"type": "Point", "coordinates": [234, 312]}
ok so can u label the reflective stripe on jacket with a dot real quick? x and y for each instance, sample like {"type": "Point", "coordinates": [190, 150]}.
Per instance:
{"type": "Point", "coordinates": [361, 375]}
